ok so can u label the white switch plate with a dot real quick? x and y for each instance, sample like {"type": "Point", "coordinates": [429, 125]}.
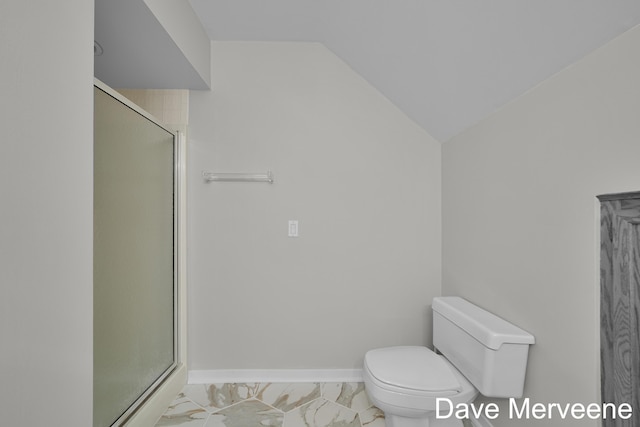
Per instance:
{"type": "Point", "coordinates": [293, 228]}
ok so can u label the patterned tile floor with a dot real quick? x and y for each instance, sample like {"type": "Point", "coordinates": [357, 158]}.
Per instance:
{"type": "Point", "coordinates": [273, 405]}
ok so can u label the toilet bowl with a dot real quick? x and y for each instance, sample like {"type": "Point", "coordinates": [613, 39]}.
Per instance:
{"type": "Point", "coordinates": [405, 381]}
{"type": "Point", "coordinates": [479, 353]}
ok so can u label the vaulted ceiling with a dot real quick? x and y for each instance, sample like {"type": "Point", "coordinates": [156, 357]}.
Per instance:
{"type": "Point", "coordinates": [446, 63]}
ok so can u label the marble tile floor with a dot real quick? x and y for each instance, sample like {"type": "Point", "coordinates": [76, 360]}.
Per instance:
{"type": "Point", "coordinates": [273, 405]}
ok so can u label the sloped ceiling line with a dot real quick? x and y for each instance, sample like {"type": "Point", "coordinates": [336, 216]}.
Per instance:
{"type": "Point", "coordinates": [446, 64]}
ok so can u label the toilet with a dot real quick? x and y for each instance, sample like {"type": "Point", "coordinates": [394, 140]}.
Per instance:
{"type": "Point", "coordinates": [476, 352]}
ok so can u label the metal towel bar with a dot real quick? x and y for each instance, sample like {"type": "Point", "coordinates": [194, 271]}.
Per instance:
{"type": "Point", "coordinates": [238, 177]}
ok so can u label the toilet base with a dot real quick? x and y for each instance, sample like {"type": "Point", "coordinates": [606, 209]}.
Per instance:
{"type": "Point", "coordinates": [428, 421]}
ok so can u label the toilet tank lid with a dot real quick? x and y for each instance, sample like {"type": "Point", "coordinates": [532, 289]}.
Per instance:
{"type": "Point", "coordinates": [489, 329]}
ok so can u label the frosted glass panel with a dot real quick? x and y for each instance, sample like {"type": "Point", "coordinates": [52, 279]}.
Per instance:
{"type": "Point", "coordinates": [133, 256]}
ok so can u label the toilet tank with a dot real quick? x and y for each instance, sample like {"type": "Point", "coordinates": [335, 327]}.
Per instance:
{"type": "Point", "coordinates": [489, 351]}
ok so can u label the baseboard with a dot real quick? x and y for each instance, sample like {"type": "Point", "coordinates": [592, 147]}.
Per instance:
{"type": "Point", "coordinates": [219, 376]}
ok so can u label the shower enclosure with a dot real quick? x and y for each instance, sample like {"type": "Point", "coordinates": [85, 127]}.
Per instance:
{"type": "Point", "coordinates": [135, 258]}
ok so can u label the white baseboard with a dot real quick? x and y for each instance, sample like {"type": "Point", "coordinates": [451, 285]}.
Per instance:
{"type": "Point", "coordinates": [218, 376]}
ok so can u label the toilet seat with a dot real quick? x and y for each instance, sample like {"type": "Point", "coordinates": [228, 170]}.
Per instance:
{"type": "Point", "coordinates": [412, 369]}
{"type": "Point", "coordinates": [413, 396]}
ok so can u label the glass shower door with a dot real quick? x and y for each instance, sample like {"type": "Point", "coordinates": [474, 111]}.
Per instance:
{"type": "Point", "coordinates": [134, 258]}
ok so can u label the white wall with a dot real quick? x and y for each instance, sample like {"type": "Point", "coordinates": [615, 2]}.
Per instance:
{"type": "Point", "coordinates": [362, 180]}
{"type": "Point", "coordinates": [520, 217]}
{"type": "Point", "coordinates": [46, 214]}
{"type": "Point", "coordinates": [186, 31]}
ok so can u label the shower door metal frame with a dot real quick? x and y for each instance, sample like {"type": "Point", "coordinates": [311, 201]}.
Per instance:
{"type": "Point", "coordinates": [178, 226]}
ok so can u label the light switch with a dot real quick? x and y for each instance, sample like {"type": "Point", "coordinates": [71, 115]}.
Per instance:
{"type": "Point", "coordinates": [293, 228]}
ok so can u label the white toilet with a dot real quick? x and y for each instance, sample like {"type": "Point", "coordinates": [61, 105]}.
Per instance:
{"type": "Point", "coordinates": [479, 352]}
